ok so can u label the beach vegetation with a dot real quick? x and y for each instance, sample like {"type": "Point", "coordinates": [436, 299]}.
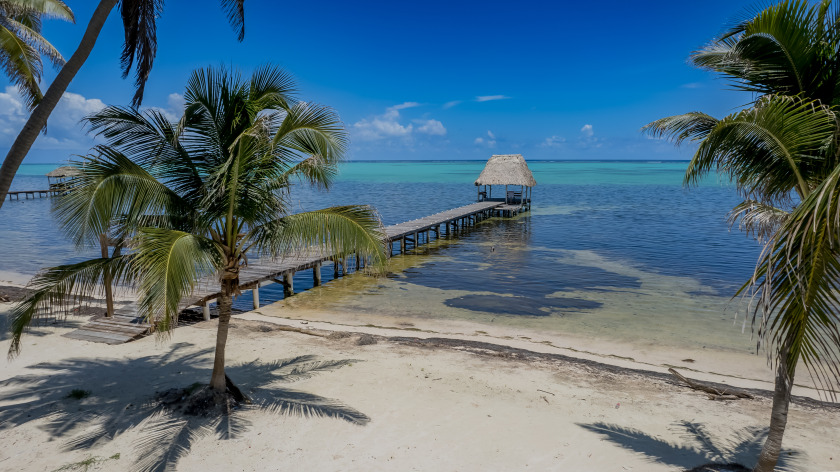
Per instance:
{"type": "Point", "coordinates": [782, 151]}
{"type": "Point", "coordinates": [22, 46]}
{"type": "Point", "coordinates": [139, 19]}
{"type": "Point", "coordinates": [197, 197]}
{"type": "Point", "coordinates": [86, 464]}
{"type": "Point", "coordinates": [78, 394]}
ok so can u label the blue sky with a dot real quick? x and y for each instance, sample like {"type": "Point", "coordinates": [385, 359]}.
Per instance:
{"type": "Point", "coordinates": [428, 80]}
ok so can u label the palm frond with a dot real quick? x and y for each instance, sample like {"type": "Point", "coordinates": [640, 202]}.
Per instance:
{"type": "Point", "coordinates": [757, 219]}
{"type": "Point", "coordinates": [796, 286]}
{"type": "Point", "coordinates": [311, 129]}
{"type": "Point", "coordinates": [235, 11]}
{"type": "Point", "coordinates": [169, 263]}
{"type": "Point", "coordinates": [72, 282]}
{"type": "Point", "coordinates": [340, 230]}
{"type": "Point", "coordinates": [781, 50]}
{"type": "Point", "coordinates": [694, 126]}
{"type": "Point", "coordinates": [770, 149]}
{"type": "Point", "coordinates": [21, 63]}
{"type": "Point", "coordinates": [32, 36]}
{"type": "Point", "coordinates": [47, 8]}
{"type": "Point", "coordinates": [110, 188]}
{"type": "Point", "coordinates": [140, 46]}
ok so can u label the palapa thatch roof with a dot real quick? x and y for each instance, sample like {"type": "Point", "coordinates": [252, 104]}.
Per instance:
{"type": "Point", "coordinates": [506, 169]}
{"type": "Point", "coordinates": [64, 171]}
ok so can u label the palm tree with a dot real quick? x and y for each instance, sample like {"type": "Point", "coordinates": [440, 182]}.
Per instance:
{"type": "Point", "coordinates": [198, 196]}
{"type": "Point", "coordinates": [139, 49]}
{"type": "Point", "coordinates": [21, 43]}
{"type": "Point", "coordinates": [782, 153]}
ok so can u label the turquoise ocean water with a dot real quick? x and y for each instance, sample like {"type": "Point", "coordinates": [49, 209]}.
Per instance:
{"type": "Point", "coordinates": [607, 245]}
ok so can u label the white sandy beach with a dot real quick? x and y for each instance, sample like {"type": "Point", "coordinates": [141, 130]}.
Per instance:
{"type": "Point", "coordinates": [398, 405]}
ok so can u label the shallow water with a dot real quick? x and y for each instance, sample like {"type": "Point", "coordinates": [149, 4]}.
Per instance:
{"type": "Point", "coordinates": [617, 250]}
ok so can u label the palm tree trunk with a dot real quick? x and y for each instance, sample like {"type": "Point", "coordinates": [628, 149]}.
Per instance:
{"type": "Point", "coordinates": [107, 278]}
{"type": "Point", "coordinates": [38, 119]}
{"type": "Point", "coordinates": [778, 418]}
{"type": "Point", "coordinates": [225, 302]}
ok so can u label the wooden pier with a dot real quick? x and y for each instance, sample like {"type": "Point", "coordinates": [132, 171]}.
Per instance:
{"type": "Point", "coordinates": [32, 193]}
{"type": "Point", "coordinates": [400, 238]}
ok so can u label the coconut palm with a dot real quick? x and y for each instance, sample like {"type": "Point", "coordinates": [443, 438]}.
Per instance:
{"type": "Point", "coordinates": [21, 43]}
{"type": "Point", "coordinates": [140, 24]}
{"type": "Point", "coordinates": [781, 151]}
{"type": "Point", "coordinates": [199, 196]}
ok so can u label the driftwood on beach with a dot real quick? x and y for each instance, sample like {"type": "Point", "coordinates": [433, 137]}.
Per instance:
{"type": "Point", "coordinates": [713, 392]}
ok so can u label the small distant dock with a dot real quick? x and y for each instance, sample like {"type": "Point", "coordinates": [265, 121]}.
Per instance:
{"type": "Point", "coordinates": [56, 181]}
{"type": "Point", "coordinates": [32, 193]}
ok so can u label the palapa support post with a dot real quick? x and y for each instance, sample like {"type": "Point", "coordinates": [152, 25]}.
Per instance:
{"type": "Point", "coordinates": [256, 293]}
{"type": "Point", "coordinates": [205, 310]}
{"type": "Point", "coordinates": [288, 284]}
{"type": "Point", "coordinates": [316, 274]}
{"type": "Point", "coordinates": [358, 262]}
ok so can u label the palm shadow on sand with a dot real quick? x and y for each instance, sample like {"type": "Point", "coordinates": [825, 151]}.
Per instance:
{"type": "Point", "coordinates": [700, 447]}
{"type": "Point", "coordinates": [165, 436]}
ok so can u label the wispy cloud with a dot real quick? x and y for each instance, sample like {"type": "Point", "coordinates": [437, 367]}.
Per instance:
{"type": "Point", "coordinates": [451, 104]}
{"type": "Point", "coordinates": [587, 131]}
{"type": "Point", "coordinates": [489, 141]}
{"type": "Point", "coordinates": [404, 105]}
{"type": "Point", "coordinates": [553, 142]}
{"type": "Point", "coordinates": [692, 85]}
{"type": "Point", "coordinates": [490, 98]}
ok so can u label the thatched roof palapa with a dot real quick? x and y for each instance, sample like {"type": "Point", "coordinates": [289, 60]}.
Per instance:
{"type": "Point", "coordinates": [506, 169]}
{"type": "Point", "coordinates": [64, 171]}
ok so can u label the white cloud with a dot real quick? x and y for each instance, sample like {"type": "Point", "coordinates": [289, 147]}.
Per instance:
{"type": "Point", "coordinates": [692, 85]}
{"type": "Point", "coordinates": [587, 131]}
{"type": "Point", "coordinates": [451, 104]}
{"type": "Point", "coordinates": [488, 98]}
{"type": "Point", "coordinates": [553, 141]}
{"type": "Point", "coordinates": [10, 102]}
{"type": "Point", "coordinates": [71, 109]}
{"type": "Point", "coordinates": [387, 125]}
{"type": "Point", "coordinates": [404, 105]}
{"type": "Point", "coordinates": [65, 134]}
{"type": "Point", "coordinates": [489, 141]}
{"type": "Point", "coordinates": [63, 128]}
{"type": "Point", "coordinates": [431, 127]}
{"type": "Point", "coordinates": [174, 110]}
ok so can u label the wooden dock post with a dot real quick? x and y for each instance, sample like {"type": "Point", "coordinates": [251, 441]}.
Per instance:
{"type": "Point", "coordinates": [402, 245]}
{"type": "Point", "coordinates": [256, 294]}
{"type": "Point", "coordinates": [316, 274]}
{"type": "Point", "coordinates": [358, 262]}
{"type": "Point", "coordinates": [205, 310]}
{"type": "Point", "coordinates": [288, 284]}
{"type": "Point", "coordinates": [335, 267]}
